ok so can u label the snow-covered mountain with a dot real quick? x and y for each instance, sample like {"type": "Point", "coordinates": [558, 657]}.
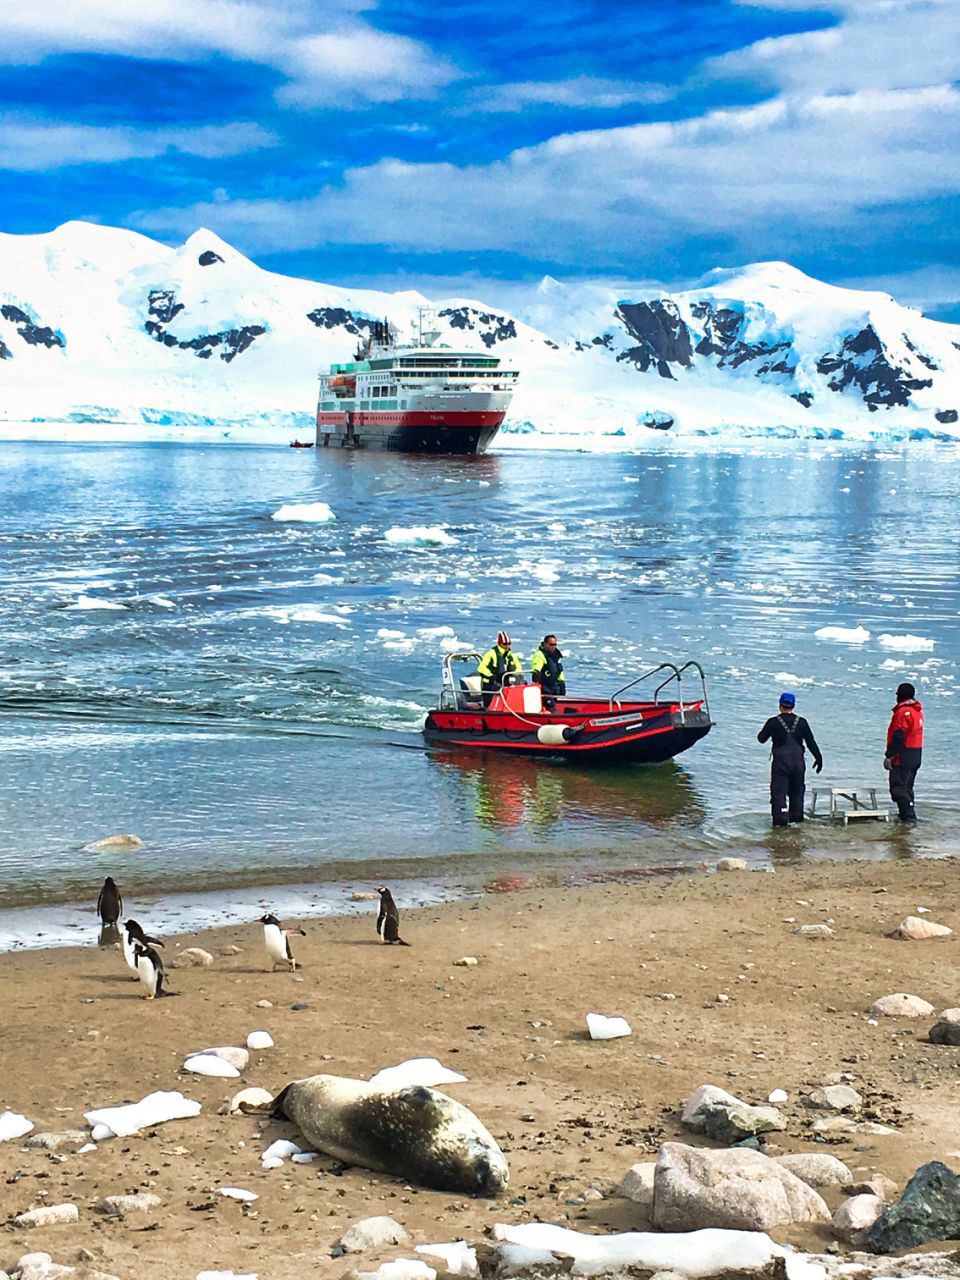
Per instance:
{"type": "Point", "coordinates": [109, 328]}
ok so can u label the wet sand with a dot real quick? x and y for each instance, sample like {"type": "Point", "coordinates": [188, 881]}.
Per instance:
{"type": "Point", "coordinates": [570, 1114]}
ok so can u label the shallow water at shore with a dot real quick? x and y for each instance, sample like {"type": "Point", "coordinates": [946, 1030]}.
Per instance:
{"type": "Point", "coordinates": [245, 693]}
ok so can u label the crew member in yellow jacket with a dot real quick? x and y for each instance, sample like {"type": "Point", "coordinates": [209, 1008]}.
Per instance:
{"type": "Point", "coordinates": [495, 664]}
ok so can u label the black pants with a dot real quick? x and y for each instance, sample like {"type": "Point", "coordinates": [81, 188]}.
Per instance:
{"type": "Point", "coordinates": [786, 786]}
{"type": "Point", "coordinates": [901, 791]}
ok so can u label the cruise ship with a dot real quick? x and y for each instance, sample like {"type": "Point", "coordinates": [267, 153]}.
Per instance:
{"type": "Point", "coordinates": [422, 397]}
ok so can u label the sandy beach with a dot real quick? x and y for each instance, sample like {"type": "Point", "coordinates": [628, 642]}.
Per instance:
{"type": "Point", "coordinates": [570, 1114]}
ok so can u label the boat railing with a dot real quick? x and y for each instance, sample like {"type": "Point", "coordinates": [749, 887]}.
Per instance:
{"type": "Point", "coordinates": [452, 696]}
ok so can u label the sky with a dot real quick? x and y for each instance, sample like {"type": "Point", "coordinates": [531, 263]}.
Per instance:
{"type": "Point", "coordinates": [472, 147]}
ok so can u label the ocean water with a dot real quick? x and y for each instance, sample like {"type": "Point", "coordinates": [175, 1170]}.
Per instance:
{"type": "Point", "coordinates": [229, 651]}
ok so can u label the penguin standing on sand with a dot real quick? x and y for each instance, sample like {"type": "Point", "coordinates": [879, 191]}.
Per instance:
{"type": "Point", "coordinates": [388, 921]}
{"type": "Point", "coordinates": [109, 903]}
{"type": "Point", "coordinates": [277, 941]}
{"type": "Point", "coordinates": [149, 970]}
{"type": "Point", "coordinates": [130, 935]}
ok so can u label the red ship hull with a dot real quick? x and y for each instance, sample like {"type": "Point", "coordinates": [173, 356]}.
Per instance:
{"type": "Point", "coordinates": [469, 431]}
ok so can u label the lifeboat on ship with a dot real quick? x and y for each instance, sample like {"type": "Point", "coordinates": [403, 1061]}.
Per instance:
{"type": "Point", "coordinates": [521, 719]}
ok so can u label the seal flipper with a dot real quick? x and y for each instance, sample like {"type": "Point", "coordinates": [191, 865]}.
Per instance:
{"type": "Point", "coordinates": [275, 1108]}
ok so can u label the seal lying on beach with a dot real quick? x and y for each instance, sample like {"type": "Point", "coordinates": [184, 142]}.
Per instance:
{"type": "Point", "coordinates": [416, 1133]}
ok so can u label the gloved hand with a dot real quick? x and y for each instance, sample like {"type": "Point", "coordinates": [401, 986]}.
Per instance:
{"type": "Point", "coordinates": [817, 766]}
{"type": "Point", "coordinates": [886, 763]}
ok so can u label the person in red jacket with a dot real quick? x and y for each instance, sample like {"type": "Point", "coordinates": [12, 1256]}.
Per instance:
{"type": "Point", "coordinates": [904, 749]}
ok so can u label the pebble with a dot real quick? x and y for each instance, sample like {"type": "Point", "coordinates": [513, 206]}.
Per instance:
{"type": "Point", "coordinates": [299, 1007]}
{"type": "Point", "coordinates": [119, 1206]}
{"type": "Point", "coordinates": [264, 1004]}
{"type": "Point", "coordinates": [466, 962]}
{"type": "Point", "coordinates": [777, 1095]}
{"type": "Point", "coordinates": [814, 931]}
{"type": "Point", "coordinates": [732, 864]}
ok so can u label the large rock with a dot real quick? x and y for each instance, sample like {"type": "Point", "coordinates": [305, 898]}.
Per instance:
{"type": "Point", "coordinates": [120, 1205]}
{"type": "Point", "coordinates": [876, 1185]}
{"type": "Point", "coordinates": [47, 1216]}
{"type": "Point", "coordinates": [738, 1189]}
{"type": "Point", "coordinates": [723, 1117]}
{"type": "Point", "coordinates": [192, 958]}
{"type": "Point", "coordinates": [51, 1141]}
{"type": "Point", "coordinates": [917, 929]}
{"type": "Point", "coordinates": [637, 1185]}
{"type": "Point", "coordinates": [732, 864]}
{"type": "Point", "coordinates": [835, 1097]}
{"type": "Point", "coordinates": [947, 1030]}
{"type": "Point", "coordinates": [900, 1005]}
{"type": "Point", "coordinates": [372, 1233]}
{"type": "Point", "coordinates": [855, 1216]}
{"type": "Point", "coordinates": [928, 1210]}
{"type": "Point", "coordinates": [817, 1170]}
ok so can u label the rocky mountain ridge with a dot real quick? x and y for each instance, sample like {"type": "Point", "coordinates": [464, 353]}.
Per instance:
{"type": "Point", "coordinates": [104, 325]}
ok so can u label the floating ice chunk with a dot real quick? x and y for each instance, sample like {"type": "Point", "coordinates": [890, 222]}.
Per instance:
{"type": "Point", "coordinates": [424, 1071]}
{"type": "Point", "coordinates": [238, 1193]}
{"type": "Point", "coordinates": [94, 602]}
{"type": "Point", "coordinates": [259, 1040]}
{"type": "Point", "coordinates": [906, 644]}
{"type": "Point", "coordinates": [603, 1028]}
{"type": "Point", "coordinates": [210, 1064]}
{"type": "Point", "coordinates": [452, 644]}
{"type": "Point", "coordinates": [13, 1125]}
{"type": "Point", "coordinates": [386, 634]}
{"type": "Point", "coordinates": [457, 1257]}
{"type": "Point", "coordinates": [421, 535]}
{"type": "Point", "coordinates": [692, 1254]}
{"type": "Point", "coordinates": [892, 664]}
{"type": "Point", "coordinates": [429, 632]}
{"type": "Point", "coordinates": [844, 635]}
{"type": "Point", "coordinates": [155, 1108]}
{"type": "Point", "coordinates": [307, 512]}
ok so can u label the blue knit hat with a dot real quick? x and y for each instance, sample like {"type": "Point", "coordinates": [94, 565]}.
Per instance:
{"type": "Point", "coordinates": [788, 700]}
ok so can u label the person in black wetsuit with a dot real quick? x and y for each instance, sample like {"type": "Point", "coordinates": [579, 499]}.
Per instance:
{"type": "Point", "coordinates": [788, 733]}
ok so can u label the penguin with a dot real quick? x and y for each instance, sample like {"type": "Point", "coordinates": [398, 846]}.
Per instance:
{"type": "Point", "coordinates": [109, 903]}
{"type": "Point", "coordinates": [388, 921]}
{"type": "Point", "coordinates": [277, 941]}
{"type": "Point", "coordinates": [149, 970]}
{"type": "Point", "coordinates": [130, 935]}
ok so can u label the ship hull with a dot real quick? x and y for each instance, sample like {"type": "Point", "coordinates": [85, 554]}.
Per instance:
{"type": "Point", "coordinates": [463, 432]}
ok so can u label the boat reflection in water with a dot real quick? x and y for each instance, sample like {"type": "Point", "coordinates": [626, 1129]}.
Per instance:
{"type": "Point", "coordinates": [613, 802]}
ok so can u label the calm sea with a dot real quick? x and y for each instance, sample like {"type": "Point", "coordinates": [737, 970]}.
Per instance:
{"type": "Point", "coordinates": [245, 692]}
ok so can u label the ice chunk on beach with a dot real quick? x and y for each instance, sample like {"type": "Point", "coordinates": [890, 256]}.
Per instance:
{"type": "Point", "coordinates": [906, 644]}
{"type": "Point", "coordinates": [277, 1152]}
{"type": "Point", "coordinates": [94, 602]}
{"type": "Point", "coordinates": [259, 1040]}
{"type": "Point", "coordinates": [399, 1269]}
{"type": "Point", "coordinates": [306, 512]}
{"type": "Point", "coordinates": [692, 1254]}
{"type": "Point", "coordinates": [420, 535]}
{"type": "Point", "coordinates": [226, 1275]}
{"type": "Point", "coordinates": [603, 1028]}
{"type": "Point", "coordinates": [155, 1108]}
{"type": "Point", "coordinates": [13, 1125]}
{"type": "Point", "coordinates": [423, 1071]}
{"type": "Point", "coordinates": [844, 635]}
{"type": "Point", "coordinates": [210, 1064]}
{"type": "Point", "coordinates": [457, 1257]}
{"type": "Point", "coordinates": [238, 1193]}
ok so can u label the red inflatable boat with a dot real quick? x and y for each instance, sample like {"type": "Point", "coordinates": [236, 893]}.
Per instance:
{"type": "Point", "coordinates": [520, 718]}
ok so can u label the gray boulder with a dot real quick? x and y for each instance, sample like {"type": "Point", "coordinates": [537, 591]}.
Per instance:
{"type": "Point", "coordinates": [738, 1189]}
{"type": "Point", "coordinates": [372, 1233]}
{"type": "Point", "coordinates": [947, 1030]}
{"type": "Point", "coordinates": [928, 1210]}
{"type": "Point", "coordinates": [637, 1185]}
{"type": "Point", "coordinates": [817, 1170]}
{"type": "Point", "coordinates": [835, 1097]}
{"type": "Point", "coordinates": [721, 1116]}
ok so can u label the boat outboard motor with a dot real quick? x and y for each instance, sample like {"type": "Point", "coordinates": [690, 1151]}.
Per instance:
{"type": "Point", "coordinates": [555, 735]}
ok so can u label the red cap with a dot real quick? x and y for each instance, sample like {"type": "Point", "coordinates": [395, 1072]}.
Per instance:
{"type": "Point", "coordinates": [502, 639]}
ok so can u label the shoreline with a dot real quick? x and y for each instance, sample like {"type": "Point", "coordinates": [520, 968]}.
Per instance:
{"type": "Point", "coordinates": [572, 1115]}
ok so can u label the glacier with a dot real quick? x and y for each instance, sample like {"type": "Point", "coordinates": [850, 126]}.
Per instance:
{"type": "Point", "coordinates": [107, 335]}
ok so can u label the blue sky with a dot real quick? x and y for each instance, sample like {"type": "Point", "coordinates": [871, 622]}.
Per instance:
{"type": "Point", "coordinates": [406, 143]}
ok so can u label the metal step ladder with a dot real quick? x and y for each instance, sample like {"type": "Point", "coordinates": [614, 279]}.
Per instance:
{"type": "Point", "coordinates": [856, 798]}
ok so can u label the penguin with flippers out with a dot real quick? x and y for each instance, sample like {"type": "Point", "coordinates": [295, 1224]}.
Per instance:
{"type": "Point", "coordinates": [130, 935]}
{"type": "Point", "coordinates": [276, 939]}
{"type": "Point", "coordinates": [388, 921]}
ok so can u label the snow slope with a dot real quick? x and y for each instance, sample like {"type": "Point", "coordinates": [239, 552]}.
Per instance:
{"type": "Point", "coordinates": [109, 329]}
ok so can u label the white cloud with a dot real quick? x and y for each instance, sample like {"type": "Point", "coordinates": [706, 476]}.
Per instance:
{"type": "Point", "coordinates": [324, 47]}
{"type": "Point", "coordinates": [770, 179]}
{"type": "Point", "coordinates": [36, 146]}
{"type": "Point", "coordinates": [578, 91]}
{"type": "Point", "coordinates": [876, 44]}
